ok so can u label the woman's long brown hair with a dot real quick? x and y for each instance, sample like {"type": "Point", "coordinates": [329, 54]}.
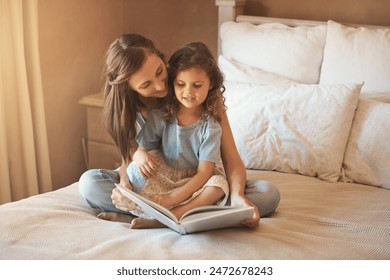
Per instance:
{"type": "Point", "coordinates": [124, 57]}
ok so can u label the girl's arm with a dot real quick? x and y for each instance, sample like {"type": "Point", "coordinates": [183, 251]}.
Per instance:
{"type": "Point", "coordinates": [204, 173]}
{"type": "Point", "coordinates": [145, 162]}
{"type": "Point", "coordinates": [235, 171]}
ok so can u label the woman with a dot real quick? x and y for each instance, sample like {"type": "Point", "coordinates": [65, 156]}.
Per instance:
{"type": "Point", "coordinates": [135, 83]}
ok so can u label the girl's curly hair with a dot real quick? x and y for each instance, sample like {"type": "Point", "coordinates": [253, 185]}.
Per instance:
{"type": "Point", "coordinates": [196, 55]}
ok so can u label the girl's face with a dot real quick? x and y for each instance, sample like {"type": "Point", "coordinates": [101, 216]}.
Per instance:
{"type": "Point", "coordinates": [151, 79]}
{"type": "Point", "coordinates": [191, 87]}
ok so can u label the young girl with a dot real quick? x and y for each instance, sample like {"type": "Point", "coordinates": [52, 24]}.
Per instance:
{"type": "Point", "coordinates": [187, 133]}
{"type": "Point", "coordinates": [135, 82]}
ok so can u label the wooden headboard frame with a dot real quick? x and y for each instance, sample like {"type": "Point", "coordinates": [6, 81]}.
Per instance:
{"type": "Point", "coordinates": [233, 10]}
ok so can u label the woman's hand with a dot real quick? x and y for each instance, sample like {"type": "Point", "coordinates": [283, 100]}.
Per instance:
{"type": "Point", "coordinates": [121, 202]}
{"type": "Point", "coordinates": [242, 201]}
{"type": "Point", "coordinates": [146, 163]}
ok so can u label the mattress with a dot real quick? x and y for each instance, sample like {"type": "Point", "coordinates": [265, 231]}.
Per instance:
{"type": "Point", "coordinates": [315, 220]}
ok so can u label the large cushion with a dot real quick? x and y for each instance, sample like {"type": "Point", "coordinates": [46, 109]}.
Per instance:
{"type": "Point", "coordinates": [294, 129]}
{"type": "Point", "coordinates": [367, 156]}
{"type": "Point", "coordinates": [354, 55]}
{"type": "Point", "coordinates": [292, 52]}
{"type": "Point", "coordinates": [235, 71]}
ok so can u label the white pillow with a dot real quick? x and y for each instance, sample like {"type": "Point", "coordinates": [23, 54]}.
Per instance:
{"type": "Point", "coordinates": [293, 129]}
{"type": "Point", "coordinates": [367, 156]}
{"type": "Point", "coordinates": [385, 98]}
{"type": "Point", "coordinates": [292, 52]}
{"type": "Point", "coordinates": [234, 71]}
{"type": "Point", "coordinates": [354, 55]}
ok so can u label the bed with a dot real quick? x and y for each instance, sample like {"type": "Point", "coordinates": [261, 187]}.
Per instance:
{"type": "Point", "coordinates": [309, 107]}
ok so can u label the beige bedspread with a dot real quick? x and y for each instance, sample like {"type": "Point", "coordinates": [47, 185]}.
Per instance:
{"type": "Point", "coordinates": [315, 220]}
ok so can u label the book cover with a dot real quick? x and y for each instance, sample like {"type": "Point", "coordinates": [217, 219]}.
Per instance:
{"type": "Point", "coordinates": [198, 219]}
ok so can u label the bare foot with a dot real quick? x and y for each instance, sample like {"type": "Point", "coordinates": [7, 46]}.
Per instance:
{"type": "Point", "coordinates": [115, 217]}
{"type": "Point", "coordinates": [139, 223]}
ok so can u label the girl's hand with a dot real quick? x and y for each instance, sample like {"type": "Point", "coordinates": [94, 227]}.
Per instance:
{"type": "Point", "coordinates": [121, 202]}
{"type": "Point", "coordinates": [241, 201]}
{"type": "Point", "coordinates": [146, 163]}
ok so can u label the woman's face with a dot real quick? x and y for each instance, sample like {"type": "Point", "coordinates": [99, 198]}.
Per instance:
{"type": "Point", "coordinates": [151, 79]}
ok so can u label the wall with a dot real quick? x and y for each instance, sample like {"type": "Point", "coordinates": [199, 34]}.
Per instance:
{"type": "Point", "coordinates": [376, 12]}
{"type": "Point", "coordinates": [73, 38]}
{"type": "Point", "coordinates": [173, 23]}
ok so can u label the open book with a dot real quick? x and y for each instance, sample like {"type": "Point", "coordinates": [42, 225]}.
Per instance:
{"type": "Point", "coordinates": [197, 219]}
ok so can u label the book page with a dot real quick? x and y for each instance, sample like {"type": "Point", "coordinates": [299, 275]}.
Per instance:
{"type": "Point", "coordinates": [223, 211]}
{"type": "Point", "coordinates": [224, 218]}
{"type": "Point", "coordinates": [197, 219]}
{"type": "Point", "coordinates": [207, 208]}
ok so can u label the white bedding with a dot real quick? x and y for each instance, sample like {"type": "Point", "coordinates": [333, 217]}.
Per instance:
{"type": "Point", "coordinates": [315, 220]}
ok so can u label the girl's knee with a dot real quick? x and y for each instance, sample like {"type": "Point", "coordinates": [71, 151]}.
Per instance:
{"type": "Point", "coordinates": [214, 191]}
{"type": "Point", "coordinates": [215, 195]}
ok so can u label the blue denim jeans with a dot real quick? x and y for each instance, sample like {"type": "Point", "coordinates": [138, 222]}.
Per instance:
{"type": "Point", "coordinates": [96, 186]}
